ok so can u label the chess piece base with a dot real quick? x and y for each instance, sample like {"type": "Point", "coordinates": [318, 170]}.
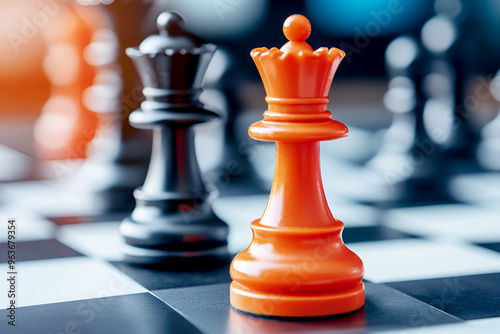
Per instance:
{"type": "Point", "coordinates": [175, 230]}
{"type": "Point", "coordinates": [297, 272]}
{"type": "Point", "coordinates": [307, 305]}
{"type": "Point", "coordinates": [178, 245]}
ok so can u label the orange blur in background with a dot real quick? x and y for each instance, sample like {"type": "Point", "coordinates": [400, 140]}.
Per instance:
{"type": "Point", "coordinates": [43, 74]}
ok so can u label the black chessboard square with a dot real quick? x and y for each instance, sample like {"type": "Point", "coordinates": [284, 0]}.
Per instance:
{"type": "Point", "coordinates": [156, 279]}
{"type": "Point", "coordinates": [466, 297]}
{"type": "Point", "coordinates": [38, 250]}
{"type": "Point", "coordinates": [129, 314]}
{"type": "Point", "coordinates": [372, 233]}
{"type": "Point", "coordinates": [493, 246]}
{"type": "Point", "coordinates": [208, 308]}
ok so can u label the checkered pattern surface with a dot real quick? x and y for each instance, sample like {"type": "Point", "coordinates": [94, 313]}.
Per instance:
{"type": "Point", "coordinates": [429, 269]}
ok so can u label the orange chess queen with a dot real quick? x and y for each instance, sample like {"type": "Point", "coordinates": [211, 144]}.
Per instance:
{"type": "Point", "coordinates": [297, 264]}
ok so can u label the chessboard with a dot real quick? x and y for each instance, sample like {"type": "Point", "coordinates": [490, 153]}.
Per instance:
{"type": "Point", "coordinates": [428, 268]}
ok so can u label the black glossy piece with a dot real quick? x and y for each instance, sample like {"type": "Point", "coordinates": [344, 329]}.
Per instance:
{"type": "Point", "coordinates": [173, 222]}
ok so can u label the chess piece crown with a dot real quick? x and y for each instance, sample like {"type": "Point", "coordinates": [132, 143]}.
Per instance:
{"type": "Point", "coordinates": [171, 65]}
{"type": "Point", "coordinates": [297, 81]}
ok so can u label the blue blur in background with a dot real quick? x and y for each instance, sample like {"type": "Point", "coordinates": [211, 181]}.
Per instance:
{"type": "Point", "coordinates": [489, 13]}
{"type": "Point", "coordinates": [345, 18]}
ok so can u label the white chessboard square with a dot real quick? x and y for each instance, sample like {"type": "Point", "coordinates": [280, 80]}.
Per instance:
{"type": "Point", "coordinates": [355, 182]}
{"type": "Point", "coordinates": [415, 259]}
{"type": "Point", "coordinates": [489, 325]}
{"type": "Point", "coordinates": [353, 214]}
{"type": "Point", "coordinates": [239, 211]}
{"type": "Point", "coordinates": [50, 198]}
{"type": "Point", "coordinates": [68, 279]}
{"type": "Point", "coordinates": [98, 240]}
{"type": "Point", "coordinates": [15, 165]}
{"type": "Point", "coordinates": [29, 225]}
{"type": "Point", "coordinates": [453, 221]}
{"type": "Point", "coordinates": [476, 187]}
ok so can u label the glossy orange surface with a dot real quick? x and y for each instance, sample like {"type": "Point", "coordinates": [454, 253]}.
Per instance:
{"type": "Point", "coordinates": [66, 125]}
{"type": "Point", "coordinates": [297, 264]}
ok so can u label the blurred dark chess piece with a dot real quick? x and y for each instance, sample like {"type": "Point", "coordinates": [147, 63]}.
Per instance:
{"type": "Point", "coordinates": [173, 222]}
{"type": "Point", "coordinates": [432, 137]}
{"type": "Point", "coordinates": [118, 159]}
{"type": "Point", "coordinates": [451, 38]}
{"type": "Point", "coordinates": [234, 171]}
{"type": "Point", "coordinates": [489, 148]}
{"type": "Point", "coordinates": [409, 166]}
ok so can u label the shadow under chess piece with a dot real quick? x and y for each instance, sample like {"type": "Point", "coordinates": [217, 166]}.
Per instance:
{"type": "Point", "coordinates": [173, 222]}
{"type": "Point", "coordinates": [297, 227]}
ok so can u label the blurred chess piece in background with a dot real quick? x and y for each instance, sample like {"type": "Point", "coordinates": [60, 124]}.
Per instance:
{"type": "Point", "coordinates": [225, 148]}
{"type": "Point", "coordinates": [489, 149]}
{"type": "Point", "coordinates": [453, 43]}
{"type": "Point", "coordinates": [66, 125]}
{"type": "Point", "coordinates": [118, 156]}
{"type": "Point", "coordinates": [435, 131]}
{"type": "Point", "coordinates": [409, 163]}
{"type": "Point", "coordinates": [21, 69]}
{"type": "Point", "coordinates": [23, 86]}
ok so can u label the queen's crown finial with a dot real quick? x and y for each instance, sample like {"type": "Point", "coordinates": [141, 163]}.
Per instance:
{"type": "Point", "coordinates": [297, 29]}
{"type": "Point", "coordinates": [170, 23]}
{"type": "Point", "coordinates": [288, 72]}
{"type": "Point", "coordinates": [297, 81]}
